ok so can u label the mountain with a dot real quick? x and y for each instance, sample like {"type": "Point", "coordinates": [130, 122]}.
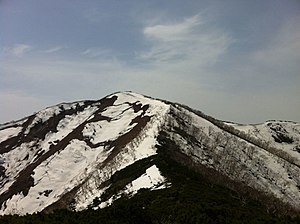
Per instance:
{"type": "Point", "coordinates": [90, 154]}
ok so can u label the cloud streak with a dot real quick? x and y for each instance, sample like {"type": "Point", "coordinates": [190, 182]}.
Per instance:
{"type": "Point", "coordinates": [190, 41]}
{"type": "Point", "coordinates": [96, 52]}
{"type": "Point", "coordinates": [18, 50]}
{"type": "Point", "coordinates": [175, 31]}
{"type": "Point", "coordinates": [54, 49]}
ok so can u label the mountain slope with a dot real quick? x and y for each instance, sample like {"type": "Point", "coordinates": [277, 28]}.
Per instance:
{"type": "Point", "coordinates": [72, 155]}
{"type": "Point", "coordinates": [65, 146]}
{"type": "Point", "coordinates": [217, 146]}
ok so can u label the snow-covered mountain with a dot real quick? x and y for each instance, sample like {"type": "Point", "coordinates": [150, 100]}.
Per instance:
{"type": "Point", "coordinates": [66, 156]}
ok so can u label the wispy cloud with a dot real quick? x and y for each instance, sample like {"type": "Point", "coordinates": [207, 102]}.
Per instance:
{"type": "Point", "coordinates": [18, 50]}
{"type": "Point", "coordinates": [96, 52]}
{"type": "Point", "coordinates": [173, 32]}
{"type": "Point", "coordinates": [54, 49]}
{"type": "Point", "coordinates": [184, 47]}
{"type": "Point", "coordinates": [191, 40]}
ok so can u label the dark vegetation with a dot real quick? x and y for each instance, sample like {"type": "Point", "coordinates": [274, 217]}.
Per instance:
{"type": "Point", "coordinates": [192, 198]}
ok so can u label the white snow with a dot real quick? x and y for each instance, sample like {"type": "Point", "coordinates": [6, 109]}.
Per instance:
{"type": "Point", "coordinates": [49, 112]}
{"type": "Point", "coordinates": [263, 132]}
{"type": "Point", "coordinates": [141, 147]}
{"type": "Point", "coordinates": [102, 131]}
{"type": "Point", "coordinates": [59, 176]}
{"type": "Point", "coordinates": [78, 163]}
{"type": "Point", "coordinates": [151, 179]}
{"type": "Point", "coordinates": [15, 159]}
{"type": "Point", "coordinates": [9, 132]}
{"type": "Point", "coordinates": [13, 123]}
{"type": "Point", "coordinates": [232, 156]}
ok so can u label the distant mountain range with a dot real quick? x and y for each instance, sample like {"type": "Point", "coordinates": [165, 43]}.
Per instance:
{"type": "Point", "coordinates": [89, 154]}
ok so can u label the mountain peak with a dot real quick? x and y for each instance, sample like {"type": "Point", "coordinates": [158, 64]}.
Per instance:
{"type": "Point", "coordinates": [60, 147]}
{"type": "Point", "coordinates": [67, 155]}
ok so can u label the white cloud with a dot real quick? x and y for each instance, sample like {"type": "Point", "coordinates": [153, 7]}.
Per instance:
{"type": "Point", "coordinates": [191, 41]}
{"type": "Point", "coordinates": [54, 49]}
{"type": "Point", "coordinates": [18, 49]}
{"type": "Point", "coordinates": [96, 52]}
{"type": "Point", "coordinates": [181, 47]}
{"type": "Point", "coordinates": [173, 32]}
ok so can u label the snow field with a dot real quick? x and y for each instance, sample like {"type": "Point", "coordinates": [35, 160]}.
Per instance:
{"type": "Point", "coordinates": [141, 147]}
{"type": "Point", "coordinates": [151, 179]}
{"type": "Point", "coordinates": [9, 132]}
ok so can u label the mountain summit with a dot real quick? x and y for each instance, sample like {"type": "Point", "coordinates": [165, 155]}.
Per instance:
{"type": "Point", "coordinates": [69, 155]}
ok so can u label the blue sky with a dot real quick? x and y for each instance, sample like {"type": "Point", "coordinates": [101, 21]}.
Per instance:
{"type": "Point", "coordinates": [235, 60]}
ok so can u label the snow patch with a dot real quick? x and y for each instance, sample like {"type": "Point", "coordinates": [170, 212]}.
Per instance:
{"type": "Point", "coordinates": [151, 179]}
{"type": "Point", "coordinates": [9, 133]}
{"type": "Point", "coordinates": [141, 147]}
